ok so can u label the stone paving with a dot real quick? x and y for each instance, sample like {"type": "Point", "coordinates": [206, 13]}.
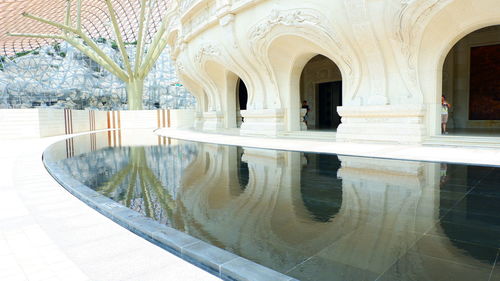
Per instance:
{"type": "Point", "coordinates": [47, 234]}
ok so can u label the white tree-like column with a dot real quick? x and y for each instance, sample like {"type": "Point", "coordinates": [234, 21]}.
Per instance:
{"type": "Point", "coordinates": [132, 73]}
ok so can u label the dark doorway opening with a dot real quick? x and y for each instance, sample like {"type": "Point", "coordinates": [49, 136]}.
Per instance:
{"type": "Point", "coordinates": [329, 97]}
{"type": "Point", "coordinates": [321, 88]}
{"type": "Point", "coordinates": [471, 86]}
{"type": "Point", "coordinates": [242, 95]}
{"type": "Point", "coordinates": [241, 102]}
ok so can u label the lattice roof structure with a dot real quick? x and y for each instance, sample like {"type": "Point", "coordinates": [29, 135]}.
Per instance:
{"type": "Point", "coordinates": [95, 20]}
{"type": "Point", "coordinates": [43, 72]}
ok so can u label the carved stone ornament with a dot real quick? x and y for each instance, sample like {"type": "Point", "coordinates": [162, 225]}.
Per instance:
{"type": "Point", "coordinates": [308, 23]}
{"type": "Point", "coordinates": [180, 67]}
{"type": "Point", "coordinates": [207, 50]}
{"type": "Point", "coordinates": [185, 5]}
{"type": "Point", "coordinates": [227, 19]}
{"type": "Point", "coordinates": [290, 18]}
{"type": "Point", "coordinates": [410, 22]}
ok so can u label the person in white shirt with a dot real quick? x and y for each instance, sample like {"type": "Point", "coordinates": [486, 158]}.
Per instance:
{"type": "Point", "coordinates": [445, 106]}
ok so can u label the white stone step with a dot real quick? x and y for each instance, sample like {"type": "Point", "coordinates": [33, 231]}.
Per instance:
{"type": "Point", "coordinates": [318, 135]}
{"type": "Point", "coordinates": [475, 141]}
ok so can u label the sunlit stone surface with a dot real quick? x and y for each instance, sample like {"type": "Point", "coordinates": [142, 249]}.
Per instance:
{"type": "Point", "coordinates": [310, 216]}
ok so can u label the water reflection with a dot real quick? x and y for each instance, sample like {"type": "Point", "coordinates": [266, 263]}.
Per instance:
{"type": "Point", "coordinates": [311, 216]}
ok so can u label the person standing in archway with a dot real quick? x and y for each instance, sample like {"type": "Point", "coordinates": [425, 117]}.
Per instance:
{"type": "Point", "coordinates": [308, 109]}
{"type": "Point", "coordinates": [445, 107]}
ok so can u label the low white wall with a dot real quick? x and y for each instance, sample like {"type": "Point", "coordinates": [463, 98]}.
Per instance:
{"type": "Point", "coordinates": [44, 122]}
{"type": "Point", "coordinates": [182, 118]}
{"type": "Point", "coordinates": [19, 123]}
{"type": "Point", "coordinates": [51, 122]}
{"type": "Point", "coordinates": [134, 119]}
{"type": "Point", "coordinates": [151, 119]}
{"type": "Point", "coordinates": [55, 122]}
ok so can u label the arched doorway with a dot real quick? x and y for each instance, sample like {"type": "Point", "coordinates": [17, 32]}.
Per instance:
{"type": "Point", "coordinates": [471, 85]}
{"type": "Point", "coordinates": [321, 94]}
{"type": "Point", "coordinates": [241, 101]}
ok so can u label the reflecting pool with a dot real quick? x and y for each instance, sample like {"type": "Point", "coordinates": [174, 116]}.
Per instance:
{"type": "Point", "coordinates": [310, 216]}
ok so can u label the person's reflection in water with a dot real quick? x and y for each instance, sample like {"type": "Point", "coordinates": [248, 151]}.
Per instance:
{"type": "Point", "coordinates": [443, 173]}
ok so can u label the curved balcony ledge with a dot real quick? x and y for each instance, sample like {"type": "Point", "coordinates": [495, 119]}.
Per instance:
{"type": "Point", "coordinates": [197, 16]}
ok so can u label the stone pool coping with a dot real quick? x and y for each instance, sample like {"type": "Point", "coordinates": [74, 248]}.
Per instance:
{"type": "Point", "coordinates": [214, 260]}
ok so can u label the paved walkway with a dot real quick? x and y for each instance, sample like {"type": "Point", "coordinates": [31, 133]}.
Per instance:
{"type": "Point", "coordinates": [472, 155]}
{"type": "Point", "coordinates": [47, 234]}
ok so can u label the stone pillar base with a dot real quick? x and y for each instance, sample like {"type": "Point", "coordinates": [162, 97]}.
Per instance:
{"type": "Point", "coordinates": [386, 123]}
{"type": "Point", "coordinates": [213, 120]}
{"type": "Point", "coordinates": [303, 125]}
{"type": "Point", "coordinates": [198, 120]}
{"type": "Point", "coordinates": [239, 119]}
{"type": "Point", "coordinates": [262, 122]}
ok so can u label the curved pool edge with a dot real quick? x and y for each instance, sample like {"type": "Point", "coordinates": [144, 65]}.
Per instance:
{"type": "Point", "coordinates": [212, 259]}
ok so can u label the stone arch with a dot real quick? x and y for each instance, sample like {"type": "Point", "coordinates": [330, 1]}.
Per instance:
{"type": "Point", "coordinates": [195, 89]}
{"type": "Point", "coordinates": [453, 22]}
{"type": "Point", "coordinates": [216, 73]}
{"type": "Point", "coordinates": [173, 37]}
{"type": "Point", "coordinates": [215, 52]}
{"type": "Point", "coordinates": [287, 63]}
{"type": "Point", "coordinates": [225, 82]}
{"type": "Point", "coordinates": [310, 33]}
{"type": "Point", "coordinates": [192, 70]}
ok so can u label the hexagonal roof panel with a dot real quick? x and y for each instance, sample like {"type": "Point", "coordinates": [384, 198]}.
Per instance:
{"type": "Point", "coordinates": [95, 20]}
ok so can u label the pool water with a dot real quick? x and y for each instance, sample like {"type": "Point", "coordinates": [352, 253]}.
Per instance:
{"type": "Point", "coordinates": [309, 216]}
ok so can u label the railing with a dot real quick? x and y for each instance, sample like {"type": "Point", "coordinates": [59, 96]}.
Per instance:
{"type": "Point", "coordinates": [198, 15]}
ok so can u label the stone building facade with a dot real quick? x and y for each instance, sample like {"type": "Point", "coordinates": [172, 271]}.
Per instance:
{"type": "Point", "coordinates": [378, 65]}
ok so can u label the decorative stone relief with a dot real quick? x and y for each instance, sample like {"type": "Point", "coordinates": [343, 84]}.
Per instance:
{"type": "Point", "coordinates": [227, 19]}
{"type": "Point", "coordinates": [185, 5]}
{"type": "Point", "coordinates": [180, 67]}
{"type": "Point", "coordinates": [178, 44]}
{"type": "Point", "coordinates": [364, 34]}
{"type": "Point", "coordinates": [307, 23]}
{"type": "Point", "coordinates": [207, 50]}
{"type": "Point", "coordinates": [223, 5]}
{"type": "Point", "coordinates": [201, 18]}
{"type": "Point", "coordinates": [295, 18]}
{"type": "Point", "coordinates": [227, 23]}
{"type": "Point", "coordinates": [410, 20]}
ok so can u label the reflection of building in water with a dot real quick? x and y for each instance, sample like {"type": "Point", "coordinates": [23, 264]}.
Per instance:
{"type": "Point", "coordinates": [327, 216]}
{"type": "Point", "coordinates": [323, 201]}
{"type": "Point", "coordinates": [134, 176]}
{"type": "Point", "coordinates": [354, 226]}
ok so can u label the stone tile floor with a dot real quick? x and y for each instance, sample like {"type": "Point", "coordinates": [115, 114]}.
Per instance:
{"type": "Point", "coordinates": [47, 234]}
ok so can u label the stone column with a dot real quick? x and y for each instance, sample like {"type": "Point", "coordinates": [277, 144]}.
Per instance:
{"type": "Point", "coordinates": [213, 120]}
{"type": "Point", "coordinates": [303, 125]}
{"type": "Point", "coordinates": [198, 120]}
